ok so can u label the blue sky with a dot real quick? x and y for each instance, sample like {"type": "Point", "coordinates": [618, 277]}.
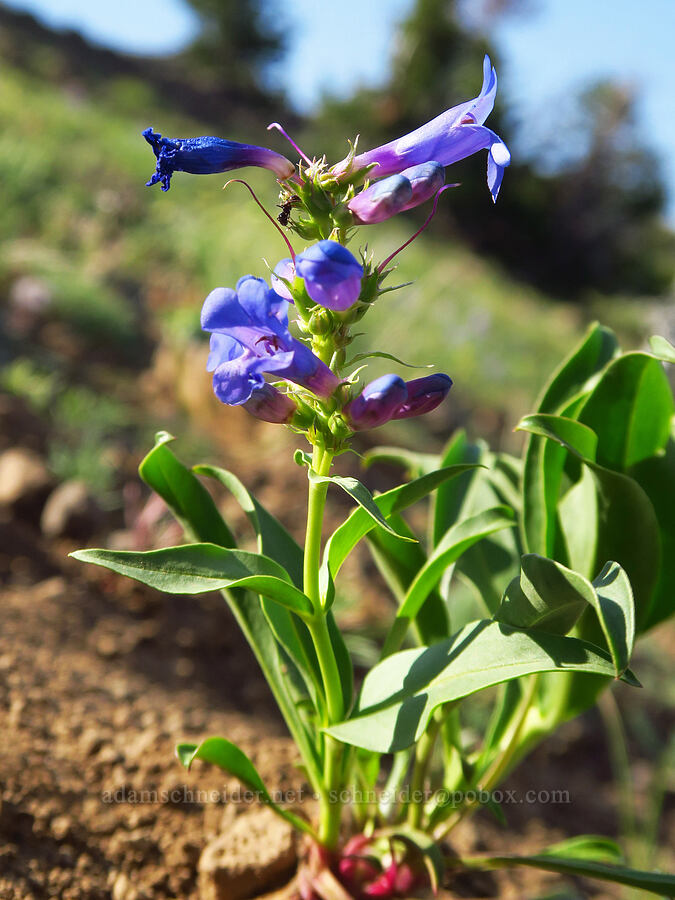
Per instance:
{"type": "Point", "coordinates": [557, 48]}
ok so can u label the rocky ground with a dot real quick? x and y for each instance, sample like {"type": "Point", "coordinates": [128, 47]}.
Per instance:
{"type": "Point", "coordinates": [99, 679]}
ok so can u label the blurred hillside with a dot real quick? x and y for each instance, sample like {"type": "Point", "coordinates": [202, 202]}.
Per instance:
{"type": "Point", "coordinates": [102, 280]}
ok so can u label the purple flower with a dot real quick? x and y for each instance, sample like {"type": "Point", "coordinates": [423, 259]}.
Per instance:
{"type": "Point", "coordinates": [250, 337]}
{"type": "Point", "coordinates": [270, 405]}
{"type": "Point", "coordinates": [207, 155]}
{"type": "Point", "coordinates": [424, 394]}
{"type": "Point", "coordinates": [390, 397]}
{"type": "Point", "coordinates": [332, 275]}
{"type": "Point", "coordinates": [455, 134]}
{"type": "Point", "coordinates": [397, 193]}
{"type": "Point", "coordinates": [377, 403]}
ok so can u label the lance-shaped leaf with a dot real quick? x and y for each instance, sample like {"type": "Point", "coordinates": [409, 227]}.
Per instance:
{"type": "Point", "coordinates": [543, 462]}
{"type": "Point", "coordinates": [198, 568]}
{"type": "Point", "coordinates": [662, 348]}
{"type": "Point", "coordinates": [654, 882]}
{"type": "Point", "coordinates": [273, 539]}
{"type": "Point", "coordinates": [231, 759]}
{"type": "Point", "coordinates": [628, 529]}
{"type": "Point", "coordinates": [457, 539]}
{"type": "Point", "coordinates": [629, 409]}
{"type": "Point", "coordinates": [185, 495]}
{"type": "Point", "coordinates": [353, 529]}
{"type": "Point", "coordinates": [401, 693]}
{"type": "Point", "coordinates": [546, 595]}
{"type": "Point", "coordinates": [550, 597]}
{"type": "Point", "coordinates": [399, 564]}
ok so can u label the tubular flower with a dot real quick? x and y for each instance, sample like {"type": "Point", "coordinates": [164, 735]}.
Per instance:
{"type": "Point", "coordinates": [249, 337]}
{"type": "Point", "coordinates": [332, 275]}
{"type": "Point", "coordinates": [208, 155]}
{"type": "Point", "coordinates": [397, 193]}
{"type": "Point", "coordinates": [424, 394]}
{"type": "Point", "coordinates": [455, 134]}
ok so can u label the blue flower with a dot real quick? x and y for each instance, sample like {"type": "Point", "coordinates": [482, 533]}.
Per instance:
{"type": "Point", "coordinates": [250, 337]}
{"type": "Point", "coordinates": [208, 155]}
{"type": "Point", "coordinates": [455, 134]}
{"type": "Point", "coordinates": [332, 275]}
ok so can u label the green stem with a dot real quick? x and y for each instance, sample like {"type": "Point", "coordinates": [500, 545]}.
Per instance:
{"type": "Point", "coordinates": [423, 754]}
{"type": "Point", "coordinates": [329, 826]}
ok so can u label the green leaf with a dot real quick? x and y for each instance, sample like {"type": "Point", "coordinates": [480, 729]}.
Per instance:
{"type": "Point", "coordinates": [359, 492]}
{"type": "Point", "coordinates": [587, 846]}
{"type": "Point", "coordinates": [273, 539]}
{"type": "Point", "coordinates": [656, 477]}
{"type": "Point", "coordinates": [550, 597]}
{"type": "Point", "coordinates": [627, 525]}
{"type": "Point", "coordinates": [401, 693]}
{"type": "Point", "coordinates": [572, 435]}
{"type": "Point", "coordinates": [544, 461]}
{"type": "Point", "coordinates": [399, 564]}
{"type": "Point", "coordinates": [662, 348]}
{"type": "Point", "coordinates": [450, 497]}
{"type": "Point", "coordinates": [615, 609]}
{"type": "Point", "coordinates": [231, 759]}
{"type": "Point", "coordinates": [346, 537]}
{"type": "Point", "coordinates": [457, 539]}
{"type": "Point", "coordinates": [578, 516]}
{"type": "Point", "coordinates": [546, 595]}
{"type": "Point", "coordinates": [187, 498]}
{"type": "Point", "coordinates": [380, 354]}
{"type": "Point", "coordinates": [630, 410]}
{"type": "Point", "coordinates": [654, 882]}
{"type": "Point", "coordinates": [198, 568]}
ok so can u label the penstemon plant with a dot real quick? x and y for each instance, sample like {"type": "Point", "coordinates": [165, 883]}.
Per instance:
{"type": "Point", "coordinates": [569, 550]}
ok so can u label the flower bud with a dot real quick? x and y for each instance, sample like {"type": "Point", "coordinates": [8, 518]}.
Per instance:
{"type": "Point", "coordinates": [332, 275]}
{"type": "Point", "coordinates": [320, 322]}
{"type": "Point", "coordinates": [424, 394]}
{"type": "Point", "coordinates": [286, 270]}
{"type": "Point", "coordinates": [425, 180]}
{"type": "Point", "coordinates": [381, 200]}
{"type": "Point", "coordinates": [270, 405]}
{"type": "Point", "coordinates": [377, 403]}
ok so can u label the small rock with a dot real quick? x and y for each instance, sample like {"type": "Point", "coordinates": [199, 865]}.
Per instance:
{"type": "Point", "coordinates": [257, 852]}
{"type": "Point", "coordinates": [70, 511]}
{"type": "Point", "coordinates": [24, 482]}
{"type": "Point", "coordinates": [61, 827]}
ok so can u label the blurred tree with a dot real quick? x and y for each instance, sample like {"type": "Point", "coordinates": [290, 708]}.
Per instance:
{"type": "Point", "coordinates": [237, 40]}
{"type": "Point", "coordinates": [566, 221]}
